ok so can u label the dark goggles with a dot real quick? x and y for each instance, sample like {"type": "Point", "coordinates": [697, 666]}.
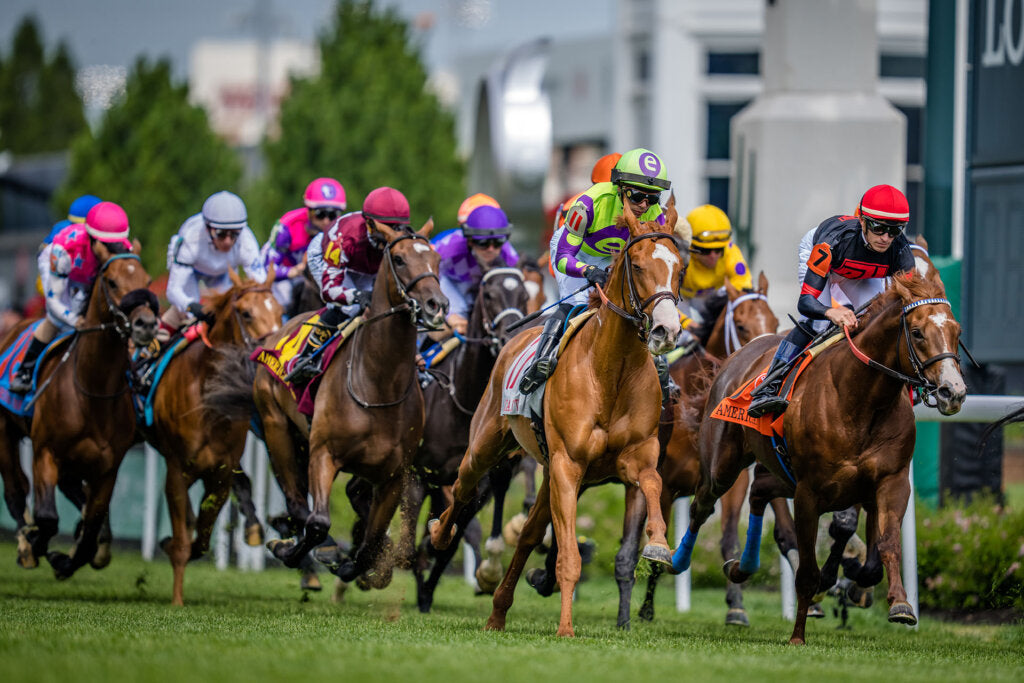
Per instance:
{"type": "Point", "coordinates": [882, 228]}
{"type": "Point", "coordinates": [224, 233]}
{"type": "Point", "coordinates": [703, 252]}
{"type": "Point", "coordinates": [493, 243]}
{"type": "Point", "coordinates": [638, 196]}
{"type": "Point", "coordinates": [331, 214]}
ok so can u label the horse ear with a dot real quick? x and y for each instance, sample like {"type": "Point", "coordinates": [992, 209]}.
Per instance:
{"type": "Point", "coordinates": [672, 215]}
{"type": "Point", "coordinates": [136, 246]}
{"type": "Point", "coordinates": [269, 280]}
{"type": "Point", "coordinates": [762, 284]}
{"type": "Point", "coordinates": [427, 228]}
{"type": "Point", "coordinates": [235, 279]}
{"type": "Point", "coordinates": [921, 242]}
{"type": "Point", "coordinates": [383, 228]}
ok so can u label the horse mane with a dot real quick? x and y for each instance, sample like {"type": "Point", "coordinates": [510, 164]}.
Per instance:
{"type": "Point", "coordinates": [901, 291]}
{"type": "Point", "coordinates": [594, 300]}
{"type": "Point", "coordinates": [220, 302]}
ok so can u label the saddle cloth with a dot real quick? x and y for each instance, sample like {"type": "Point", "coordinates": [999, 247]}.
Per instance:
{"type": "Point", "coordinates": [513, 401]}
{"type": "Point", "coordinates": [281, 359]}
{"type": "Point", "coordinates": [10, 361]}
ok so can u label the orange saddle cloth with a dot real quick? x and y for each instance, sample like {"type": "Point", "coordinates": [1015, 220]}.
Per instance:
{"type": "Point", "coordinates": [734, 408]}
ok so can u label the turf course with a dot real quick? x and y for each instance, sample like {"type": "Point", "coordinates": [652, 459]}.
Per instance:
{"type": "Point", "coordinates": [118, 625]}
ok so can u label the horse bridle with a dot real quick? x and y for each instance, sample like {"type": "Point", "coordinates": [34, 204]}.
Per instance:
{"type": "Point", "coordinates": [732, 338]}
{"type": "Point", "coordinates": [491, 324]}
{"type": "Point", "coordinates": [639, 317]}
{"type": "Point", "coordinates": [249, 341]}
{"type": "Point", "coordinates": [927, 387]}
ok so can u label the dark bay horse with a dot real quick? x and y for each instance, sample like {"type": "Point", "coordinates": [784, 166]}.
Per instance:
{"type": "Point", "coordinates": [368, 415]}
{"type": "Point", "coordinates": [83, 421]}
{"type": "Point", "coordinates": [193, 446]}
{"type": "Point", "coordinates": [462, 378]}
{"type": "Point", "coordinates": [849, 434]}
{"type": "Point", "coordinates": [601, 409]}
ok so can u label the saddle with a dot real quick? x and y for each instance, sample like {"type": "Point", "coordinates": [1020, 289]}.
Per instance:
{"type": "Point", "coordinates": [149, 365]}
{"type": "Point", "coordinates": [10, 361]}
{"type": "Point", "coordinates": [280, 360]}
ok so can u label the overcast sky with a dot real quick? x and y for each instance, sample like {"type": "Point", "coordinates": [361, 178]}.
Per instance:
{"type": "Point", "coordinates": [114, 32]}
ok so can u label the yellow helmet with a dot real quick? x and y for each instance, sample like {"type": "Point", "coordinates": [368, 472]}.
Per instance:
{"type": "Point", "coordinates": [711, 228]}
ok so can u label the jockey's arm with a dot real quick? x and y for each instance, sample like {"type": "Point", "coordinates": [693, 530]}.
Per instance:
{"type": "Point", "coordinates": [177, 279]}
{"type": "Point", "coordinates": [565, 252]}
{"type": "Point", "coordinates": [56, 285]}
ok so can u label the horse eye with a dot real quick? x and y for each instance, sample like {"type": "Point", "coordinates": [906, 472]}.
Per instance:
{"type": "Point", "coordinates": [917, 334]}
{"type": "Point", "coordinates": [111, 283]}
{"type": "Point", "coordinates": [246, 315]}
{"type": "Point", "coordinates": [398, 260]}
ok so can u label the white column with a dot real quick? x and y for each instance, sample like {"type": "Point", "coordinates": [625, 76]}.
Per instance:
{"type": "Point", "coordinates": [681, 515]}
{"type": "Point", "coordinates": [259, 494]}
{"type": "Point", "coordinates": [151, 503]}
{"type": "Point", "coordinates": [909, 535]}
{"type": "Point", "coordinates": [222, 539]}
{"type": "Point", "coordinates": [787, 582]}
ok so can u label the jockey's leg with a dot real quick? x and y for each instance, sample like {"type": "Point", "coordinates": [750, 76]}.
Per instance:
{"type": "Point", "coordinates": [547, 350]}
{"type": "Point", "coordinates": [43, 335]}
{"type": "Point", "coordinates": [766, 398]}
{"type": "Point", "coordinates": [306, 366]}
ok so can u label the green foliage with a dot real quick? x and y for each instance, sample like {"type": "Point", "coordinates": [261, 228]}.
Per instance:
{"type": "Point", "coordinates": [40, 111]}
{"type": "Point", "coordinates": [367, 120]}
{"type": "Point", "coordinates": [155, 155]}
{"type": "Point", "coordinates": [972, 557]}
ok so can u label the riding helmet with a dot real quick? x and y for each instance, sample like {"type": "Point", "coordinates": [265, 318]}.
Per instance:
{"type": "Point", "coordinates": [107, 222]}
{"type": "Point", "coordinates": [641, 168]}
{"type": "Point", "coordinates": [325, 193]}
{"type": "Point", "coordinates": [387, 205]}
{"type": "Point", "coordinates": [225, 211]}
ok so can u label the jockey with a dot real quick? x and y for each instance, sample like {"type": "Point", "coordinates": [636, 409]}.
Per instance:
{"type": "Point", "coordinates": [285, 250]}
{"type": "Point", "coordinates": [481, 241]}
{"type": "Point", "coordinates": [716, 258]}
{"type": "Point", "coordinates": [77, 212]}
{"type": "Point", "coordinates": [345, 260]}
{"type": "Point", "coordinates": [68, 266]}
{"type": "Point", "coordinates": [207, 246]}
{"type": "Point", "coordinates": [584, 246]}
{"type": "Point", "coordinates": [855, 254]}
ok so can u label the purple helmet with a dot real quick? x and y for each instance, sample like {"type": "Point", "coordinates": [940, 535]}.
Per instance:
{"type": "Point", "coordinates": [485, 222]}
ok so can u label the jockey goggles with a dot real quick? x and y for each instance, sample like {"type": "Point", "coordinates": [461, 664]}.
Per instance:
{"type": "Point", "coordinates": [882, 228]}
{"type": "Point", "coordinates": [703, 251]}
{"type": "Point", "coordinates": [331, 214]}
{"type": "Point", "coordinates": [224, 233]}
{"type": "Point", "coordinates": [638, 196]}
{"type": "Point", "coordinates": [492, 243]}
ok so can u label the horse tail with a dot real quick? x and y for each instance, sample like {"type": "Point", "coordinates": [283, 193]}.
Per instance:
{"type": "Point", "coordinates": [1016, 416]}
{"type": "Point", "coordinates": [227, 393]}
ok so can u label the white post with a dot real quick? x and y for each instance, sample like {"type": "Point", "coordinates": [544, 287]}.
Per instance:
{"type": "Point", "coordinates": [243, 556]}
{"type": "Point", "coordinates": [909, 534]}
{"type": "Point", "coordinates": [259, 494]}
{"type": "Point", "coordinates": [222, 539]}
{"type": "Point", "coordinates": [788, 583]}
{"type": "Point", "coordinates": [681, 515]}
{"type": "Point", "coordinates": [468, 570]}
{"type": "Point", "coordinates": [151, 503]}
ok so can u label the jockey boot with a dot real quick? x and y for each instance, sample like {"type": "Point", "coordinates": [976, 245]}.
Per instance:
{"type": "Point", "coordinates": [765, 398]}
{"type": "Point", "coordinates": [668, 386]}
{"type": "Point", "coordinates": [21, 382]}
{"type": "Point", "coordinates": [547, 352]}
{"type": "Point", "coordinates": [306, 366]}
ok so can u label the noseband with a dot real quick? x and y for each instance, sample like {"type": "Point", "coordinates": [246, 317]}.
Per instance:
{"type": "Point", "coordinates": [122, 325]}
{"type": "Point", "coordinates": [639, 317]}
{"type": "Point", "coordinates": [408, 303]}
{"type": "Point", "coordinates": [249, 341]}
{"type": "Point", "coordinates": [732, 338]}
{"type": "Point", "coordinates": [490, 324]}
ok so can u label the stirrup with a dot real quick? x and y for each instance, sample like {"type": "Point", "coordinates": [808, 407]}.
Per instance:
{"type": "Point", "coordinates": [767, 404]}
{"type": "Point", "coordinates": [536, 375]}
{"type": "Point", "coordinates": [305, 369]}
{"type": "Point", "coordinates": [21, 382]}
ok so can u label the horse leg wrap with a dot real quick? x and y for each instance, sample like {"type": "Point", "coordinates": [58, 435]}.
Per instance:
{"type": "Point", "coordinates": [683, 554]}
{"type": "Point", "coordinates": [750, 561]}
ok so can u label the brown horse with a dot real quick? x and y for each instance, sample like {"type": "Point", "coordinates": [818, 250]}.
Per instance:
{"type": "Point", "coordinates": [195, 448]}
{"type": "Point", "coordinates": [601, 410]}
{"type": "Point", "coordinates": [745, 316]}
{"type": "Point", "coordinates": [368, 415]}
{"type": "Point", "coordinates": [83, 421]}
{"type": "Point", "coordinates": [450, 402]}
{"type": "Point", "coordinates": [849, 435]}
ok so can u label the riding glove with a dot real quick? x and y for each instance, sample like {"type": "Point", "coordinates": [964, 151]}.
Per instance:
{"type": "Point", "coordinates": [595, 275]}
{"type": "Point", "coordinates": [362, 298]}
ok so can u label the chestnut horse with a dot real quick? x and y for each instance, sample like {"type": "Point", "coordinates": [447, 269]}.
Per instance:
{"type": "Point", "coordinates": [197, 448]}
{"type": "Point", "coordinates": [450, 402]}
{"type": "Point", "coordinates": [849, 435]}
{"type": "Point", "coordinates": [83, 421]}
{"type": "Point", "coordinates": [368, 414]}
{"type": "Point", "coordinates": [601, 410]}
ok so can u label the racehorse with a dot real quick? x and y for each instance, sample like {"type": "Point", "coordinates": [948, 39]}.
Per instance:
{"type": "Point", "coordinates": [745, 316]}
{"type": "Point", "coordinates": [461, 379]}
{"type": "Point", "coordinates": [368, 414]}
{"type": "Point", "coordinates": [600, 412]}
{"type": "Point", "coordinates": [82, 421]}
{"type": "Point", "coordinates": [848, 434]}
{"type": "Point", "coordinates": [195, 448]}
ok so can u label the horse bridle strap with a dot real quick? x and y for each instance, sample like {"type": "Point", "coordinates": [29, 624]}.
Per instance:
{"type": "Point", "coordinates": [639, 317]}
{"type": "Point", "coordinates": [121, 322]}
{"type": "Point", "coordinates": [732, 338]}
{"type": "Point", "coordinates": [404, 287]}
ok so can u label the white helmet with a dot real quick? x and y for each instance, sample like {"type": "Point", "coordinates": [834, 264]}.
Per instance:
{"type": "Point", "coordinates": [225, 211]}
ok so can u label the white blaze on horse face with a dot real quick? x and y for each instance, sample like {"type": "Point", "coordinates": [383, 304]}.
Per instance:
{"type": "Point", "coordinates": [422, 247]}
{"type": "Point", "coordinates": [665, 312]}
{"type": "Point", "coordinates": [510, 283]}
{"type": "Point", "coordinates": [532, 288]}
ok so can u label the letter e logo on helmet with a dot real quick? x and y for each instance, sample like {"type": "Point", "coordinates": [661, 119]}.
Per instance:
{"type": "Point", "coordinates": [650, 164]}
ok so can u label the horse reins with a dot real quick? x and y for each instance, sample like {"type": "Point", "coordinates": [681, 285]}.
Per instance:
{"type": "Point", "coordinates": [732, 338]}
{"type": "Point", "coordinates": [640, 319]}
{"type": "Point", "coordinates": [922, 382]}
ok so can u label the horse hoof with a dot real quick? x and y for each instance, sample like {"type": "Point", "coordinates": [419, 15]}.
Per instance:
{"type": "Point", "coordinates": [59, 562]}
{"type": "Point", "coordinates": [434, 529]}
{"type": "Point", "coordinates": [495, 623]}
{"type": "Point", "coordinates": [512, 529]}
{"type": "Point", "coordinates": [26, 558]}
{"type": "Point", "coordinates": [282, 550]}
{"type": "Point", "coordinates": [736, 616]}
{"type": "Point", "coordinates": [339, 591]}
{"type": "Point", "coordinates": [902, 613]}
{"type": "Point", "coordinates": [328, 556]}
{"type": "Point", "coordinates": [797, 641]}
{"type": "Point", "coordinates": [815, 611]}
{"type": "Point", "coordinates": [657, 553]}
{"type": "Point", "coordinates": [646, 612]}
{"type": "Point", "coordinates": [537, 578]}
{"type": "Point", "coordinates": [102, 557]}
{"type": "Point", "coordinates": [254, 535]}
{"type": "Point", "coordinates": [488, 575]}
{"type": "Point", "coordinates": [860, 597]}
{"type": "Point", "coordinates": [165, 545]}
{"type": "Point", "coordinates": [310, 582]}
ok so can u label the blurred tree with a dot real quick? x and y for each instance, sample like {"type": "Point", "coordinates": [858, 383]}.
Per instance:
{"type": "Point", "coordinates": [40, 111]}
{"type": "Point", "coordinates": [154, 154]}
{"type": "Point", "coordinates": [367, 120]}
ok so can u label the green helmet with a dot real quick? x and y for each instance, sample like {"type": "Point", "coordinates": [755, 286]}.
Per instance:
{"type": "Point", "coordinates": [641, 168]}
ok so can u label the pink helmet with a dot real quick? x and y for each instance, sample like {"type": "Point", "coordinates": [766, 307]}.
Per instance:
{"type": "Point", "coordinates": [107, 222]}
{"type": "Point", "coordinates": [387, 205]}
{"type": "Point", "coordinates": [325, 193]}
